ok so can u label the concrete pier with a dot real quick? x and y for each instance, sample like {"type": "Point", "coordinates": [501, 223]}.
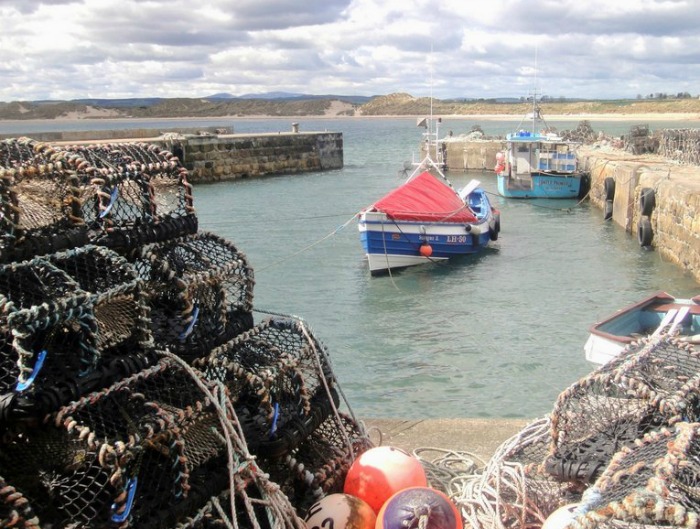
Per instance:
{"type": "Point", "coordinates": [470, 155]}
{"type": "Point", "coordinates": [234, 156]}
{"type": "Point", "coordinates": [477, 436]}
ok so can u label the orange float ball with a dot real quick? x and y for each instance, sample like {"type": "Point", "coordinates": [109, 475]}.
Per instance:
{"type": "Point", "coordinates": [426, 250]}
{"type": "Point", "coordinates": [416, 507]}
{"type": "Point", "coordinates": [382, 471]}
{"type": "Point", "coordinates": [340, 511]}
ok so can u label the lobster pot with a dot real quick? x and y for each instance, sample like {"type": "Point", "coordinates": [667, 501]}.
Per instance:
{"type": "Point", "coordinates": [252, 509]}
{"type": "Point", "coordinates": [119, 306]}
{"type": "Point", "coordinates": [39, 202]}
{"type": "Point", "coordinates": [48, 330]}
{"type": "Point", "coordinates": [652, 483]}
{"type": "Point", "coordinates": [137, 194]}
{"type": "Point", "coordinates": [148, 451]}
{"type": "Point", "coordinates": [15, 510]}
{"type": "Point", "coordinates": [72, 322]}
{"type": "Point", "coordinates": [319, 465]}
{"type": "Point", "coordinates": [281, 381]}
{"type": "Point", "coordinates": [654, 383]}
{"type": "Point", "coordinates": [200, 290]}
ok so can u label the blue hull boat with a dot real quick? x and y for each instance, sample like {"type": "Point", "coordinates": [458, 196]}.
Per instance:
{"type": "Point", "coordinates": [426, 220]}
{"type": "Point", "coordinates": [538, 164]}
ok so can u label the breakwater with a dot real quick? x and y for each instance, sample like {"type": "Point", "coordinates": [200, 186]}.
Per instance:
{"type": "Point", "coordinates": [215, 154]}
{"type": "Point", "coordinates": [233, 156]}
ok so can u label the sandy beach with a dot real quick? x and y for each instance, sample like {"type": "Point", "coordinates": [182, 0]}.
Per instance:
{"type": "Point", "coordinates": [342, 110]}
{"type": "Point", "coordinates": [694, 117]}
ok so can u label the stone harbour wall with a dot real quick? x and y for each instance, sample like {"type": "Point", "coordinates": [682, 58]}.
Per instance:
{"type": "Point", "coordinates": [212, 154]}
{"type": "Point", "coordinates": [234, 156]}
{"type": "Point", "coordinates": [470, 155]}
{"type": "Point", "coordinates": [640, 181]}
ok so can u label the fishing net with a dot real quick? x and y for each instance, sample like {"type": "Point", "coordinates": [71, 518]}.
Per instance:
{"type": "Point", "coordinates": [281, 381]}
{"type": "Point", "coordinates": [653, 383]}
{"type": "Point", "coordinates": [39, 201]}
{"type": "Point", "coordinates": [200, 291]}
{"type": "Point", "coordinates": [621, 443]}
{"type": "Point", "coordinates": [149, 451]}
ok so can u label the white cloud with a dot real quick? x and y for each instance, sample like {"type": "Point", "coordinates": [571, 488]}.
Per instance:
{"type": "Point", "coordinates": [65, 49]}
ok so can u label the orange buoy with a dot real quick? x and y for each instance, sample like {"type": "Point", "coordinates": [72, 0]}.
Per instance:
{"type": "Point", "coordinates": [382, 471]}
{"type": "Point", "coordinates": [426, 250]}
{"type": "Point", "coordinates": [416, 507]}
{"type": "Point", "coordinates": [340, 511]}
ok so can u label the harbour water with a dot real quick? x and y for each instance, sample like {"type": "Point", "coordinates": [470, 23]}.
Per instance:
{"type": "Point", "coordinates": [496, 335]}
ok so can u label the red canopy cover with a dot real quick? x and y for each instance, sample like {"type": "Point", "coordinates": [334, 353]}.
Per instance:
{"type": "Point", "coordinates": [425, 198]}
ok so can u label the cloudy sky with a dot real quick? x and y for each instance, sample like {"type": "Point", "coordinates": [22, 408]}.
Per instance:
{"type": "Point", "coordinates": [67, 49]}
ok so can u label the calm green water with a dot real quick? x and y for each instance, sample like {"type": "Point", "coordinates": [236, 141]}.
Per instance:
{"type": "Point", "coordinates": [499, 334]}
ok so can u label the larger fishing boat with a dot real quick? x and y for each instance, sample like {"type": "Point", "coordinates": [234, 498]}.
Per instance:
{"type": "Point", "coordinates": [538, 163]}
{"type": "Point", "coordinates": [426, 219]}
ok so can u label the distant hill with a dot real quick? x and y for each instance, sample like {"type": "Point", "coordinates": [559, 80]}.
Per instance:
{"type": "Point", "coordinates": [284, 104]}
{"type": "Point", "coordinates": [291, 96]}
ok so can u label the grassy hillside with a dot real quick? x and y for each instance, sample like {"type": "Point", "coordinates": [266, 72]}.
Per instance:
{"type": "Point", "coordinates": [398, 104]}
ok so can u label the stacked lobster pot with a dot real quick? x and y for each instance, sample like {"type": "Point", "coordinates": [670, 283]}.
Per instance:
{"type": "Point", "coordinates": [40, 206]}
{"type": "Point", "coordinates": [149, 451]}
{"type": "Point", "coordinates": [200, 290]}
{"type": "Point", "coordinates": [132, 194]}
{"type": "Point", "coordinates": [135, 387]}
{"type": "Point", "coordinates": [70, 322]}
{"type": "Point", "coordinates": [286, 400]}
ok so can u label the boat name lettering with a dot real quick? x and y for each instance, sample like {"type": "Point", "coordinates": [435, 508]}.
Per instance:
{"type": "Point", "coordinates": [549, 182]}
{"type": "Point", "coordinates": [428, 238]}
{"type": "Point", "coordinates": [456, 239]}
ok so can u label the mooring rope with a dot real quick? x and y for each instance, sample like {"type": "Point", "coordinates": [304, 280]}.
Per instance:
{"type": "Point", "coordinates": [234, 440]}
{"type": "Point", "coordinates": [307, 247]}
{"type": "Point", "coordinates": [478, 490]}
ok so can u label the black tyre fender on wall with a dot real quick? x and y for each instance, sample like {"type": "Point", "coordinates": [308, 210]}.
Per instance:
{"type": "Point", "coordinates": [608, 210]}
{"type": "Point", "coordinates": [609, 184]}
{"type": "Point", "coordinates": [647, 201]}
{"type": "Point", "coordinates": [495, 228]}
{"type": "Point", "coordinates": [645, 233]}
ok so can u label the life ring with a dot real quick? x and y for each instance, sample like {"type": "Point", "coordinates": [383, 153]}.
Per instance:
{"type": "Point", "coordinates": [647, 201]}
{"type": "Point", "coordinates": [500, 167]}
{"type": "Point", "coordinates": [609, 184]}
{"type": "Point", "coordinates": [645, 233]}
{"type": "Point", "coordinates": [608, 210]}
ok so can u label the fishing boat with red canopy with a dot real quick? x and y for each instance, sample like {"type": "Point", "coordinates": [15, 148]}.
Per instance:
{"type": "Point", "coordinates": [426, 220]}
